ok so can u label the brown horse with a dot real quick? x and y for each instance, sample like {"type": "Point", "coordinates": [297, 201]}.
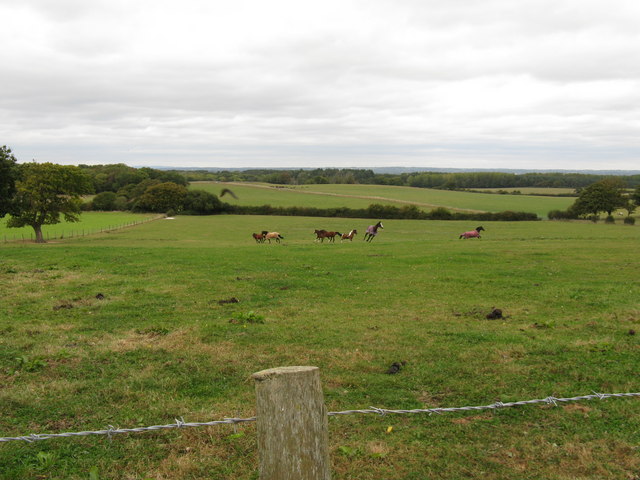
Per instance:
{"type": "Point", "coordinates": [348, 236]}
{"type": "Point", "coordinates": [319, 234]}
{"type": "Point", "coordinates": [275, 235]}
{"type": "Point", "coordinates": [322, 234]}
{"type": "Point", "coordinates": [258, 237]}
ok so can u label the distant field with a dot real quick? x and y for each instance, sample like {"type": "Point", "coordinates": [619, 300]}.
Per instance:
{"type": "Point", "coordinates": [158, 344]}
{"type": "Point", "coordinates": [90, 222]}
{"type": "Point", "coordinates": [265, 194]}
{"type": "Point", "coordinates": [360, 196]}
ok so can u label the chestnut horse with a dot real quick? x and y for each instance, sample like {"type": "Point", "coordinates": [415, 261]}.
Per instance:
{"type": "Point", "coordinates": [258, 237]}
{"type": "Point", "coordinates": [322, 234]}
{"type": "Point", "coordinates": [372, 231]}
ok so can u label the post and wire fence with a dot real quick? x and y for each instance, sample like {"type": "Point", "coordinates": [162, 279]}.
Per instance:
{"type": "Point", "coordinates": [60, 233]}
{"type": "Point", "coordinates": [292, 421]}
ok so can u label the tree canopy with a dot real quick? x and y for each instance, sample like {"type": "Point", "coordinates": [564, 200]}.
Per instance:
{"type": "Point", "coordinates": [603, 196]}
{"type": "Point", "coordinates": [8, 172]}
{"type": "Point", "coordinates": [162, 198]}
{"type": "Point", "coordinates": [45, 192]}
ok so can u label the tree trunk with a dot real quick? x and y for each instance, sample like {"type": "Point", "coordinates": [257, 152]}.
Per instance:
{"type": "Point", "coordinates": [39, 237]}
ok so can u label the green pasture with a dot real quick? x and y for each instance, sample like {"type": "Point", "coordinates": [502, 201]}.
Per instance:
{"type": "Point", "coordinates": [285, 196]}
{"type": "Point", "coordinates": [158, 344]}
{"type": "Point", "coordinates": [90, 223]}
{"type": "Point", "coordinates": [361, 196]}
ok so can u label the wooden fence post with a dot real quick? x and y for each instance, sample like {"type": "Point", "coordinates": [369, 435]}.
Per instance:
{"type": "Point", "coordinates": [292, 425]}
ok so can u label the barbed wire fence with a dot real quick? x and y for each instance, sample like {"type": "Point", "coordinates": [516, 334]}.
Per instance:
{"type": "Point", "coordinates": [180, 423]}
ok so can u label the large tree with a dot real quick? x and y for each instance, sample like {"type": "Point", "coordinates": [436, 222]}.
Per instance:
{"type": "Point", "coordinates": [603, 196]}
{"type": "Point", "coordinates": [45, 192]}
{"type": "Point", "coordinates": [162, 198]}
{"type": "Point", "coordinates": [8, 172]}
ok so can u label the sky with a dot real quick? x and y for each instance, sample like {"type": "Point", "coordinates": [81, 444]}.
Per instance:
{"type": "Point", "coordinates": [526, 84]}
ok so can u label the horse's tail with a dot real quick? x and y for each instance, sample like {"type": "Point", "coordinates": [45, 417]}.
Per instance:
{"type": "Point", "coordinates": [280, 236]}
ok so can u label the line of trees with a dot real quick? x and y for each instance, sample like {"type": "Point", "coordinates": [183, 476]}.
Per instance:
{"type": "Point", "coordinates": [438, 180]}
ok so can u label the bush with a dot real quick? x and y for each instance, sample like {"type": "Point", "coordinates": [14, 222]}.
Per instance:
{"type": "Point", "coordinates": [629, 221]}
{"type": "Point", "coordinates": [561, 215]}
{"type": "Point", "coordinates": [609, 219]}
{"type": "Point", "coordinates": [440, 213]}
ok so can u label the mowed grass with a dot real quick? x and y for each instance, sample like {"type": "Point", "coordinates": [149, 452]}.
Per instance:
{"type": "Point", "coordinates": [361, 196]}
{"type": "Point", "coordinates": [90, 222]}
{"type": "Point", "coordinates": [160, 346]}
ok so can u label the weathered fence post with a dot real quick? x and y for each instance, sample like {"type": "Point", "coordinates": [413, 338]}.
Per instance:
{"type": "Point", "coordinates": [292, 425]}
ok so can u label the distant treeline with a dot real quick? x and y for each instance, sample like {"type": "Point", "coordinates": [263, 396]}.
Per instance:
{"type": "Point", "coordinates": [438, 180]}
{"type": "Point", "coordinates": [378, 211]}
{"type": "Point", "coordinates": [122, 178]}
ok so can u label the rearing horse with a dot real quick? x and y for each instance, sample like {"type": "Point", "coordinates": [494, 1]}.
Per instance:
{"type": "Point", "coordinates": [372, 231]}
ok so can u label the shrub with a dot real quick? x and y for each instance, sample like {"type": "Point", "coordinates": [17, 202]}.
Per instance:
{"type": "Point", "coordinates": [440, 213]}
{"type": "Point", "coordinates": [629, 221]}
{"type": "Point", "coordinates": [609, 219]}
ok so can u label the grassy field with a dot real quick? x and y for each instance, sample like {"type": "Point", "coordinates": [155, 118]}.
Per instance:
{"type": "Point", "coordinates": [361, 196]}
{"type": "Point", "coordinates": [161, 346]}
{"type": "Point", "coordinates": [90, 222]}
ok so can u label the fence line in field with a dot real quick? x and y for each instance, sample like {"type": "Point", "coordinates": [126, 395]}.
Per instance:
{"type": "Point", "coordinates": [79, 232]}
{"type": "Point", "coordinates": [180, 423]}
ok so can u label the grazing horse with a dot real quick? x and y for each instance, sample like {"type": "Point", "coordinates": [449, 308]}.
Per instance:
{"type": "Point", "coordinates": [258, 237]}
{"type": "Point", "coordinates": [472, 233]}
{"type": "Point", "coordinates": [372, 231]}
{"type": "Point", "coordinates": [348, 236]}
{"type": "Point", "coordinates": [275, 235]}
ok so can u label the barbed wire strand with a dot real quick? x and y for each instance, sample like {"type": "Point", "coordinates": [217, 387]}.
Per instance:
{"type": "Point", "coordinates": [180, 423]}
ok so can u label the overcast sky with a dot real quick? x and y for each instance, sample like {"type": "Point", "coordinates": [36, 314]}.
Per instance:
{"type": "Point", "coordinates": [534, 84]}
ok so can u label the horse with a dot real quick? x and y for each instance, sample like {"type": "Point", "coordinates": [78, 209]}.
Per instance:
{"type": "Point", "coordinates": [258, 237]}
{"type": "Point", "coordinates": [472, 233]}
{"type": "Point", "coordinates": [372, 231]}
{"type": "Point", "coordinates": [275, 235]}
{"type": "Point", "coordinates": [322, 234]}
{"type": "Point", "coordinates": [348, 236]}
